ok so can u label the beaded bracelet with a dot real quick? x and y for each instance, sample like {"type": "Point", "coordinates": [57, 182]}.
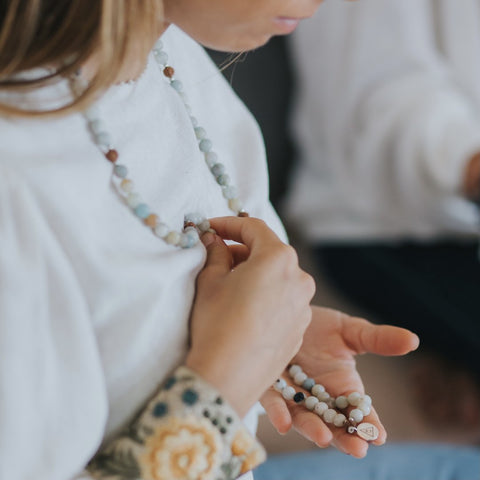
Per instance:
{"type": "Point", "coordinates": [186, 431]}
{"type": "Point", "coordinates": [321, 403]}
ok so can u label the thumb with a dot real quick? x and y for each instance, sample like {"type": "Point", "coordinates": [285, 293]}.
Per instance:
{"type": "Point", "coordinates": [219, 258]}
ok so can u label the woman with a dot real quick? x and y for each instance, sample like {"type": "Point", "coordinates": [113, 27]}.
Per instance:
{"type": "Point", "coordinates": [97, 309]}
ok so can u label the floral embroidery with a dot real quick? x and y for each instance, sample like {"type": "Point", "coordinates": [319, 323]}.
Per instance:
{"type": "Point", "coordinates": [182, 449]}
{"type": "Point", "coordinates": [242, 442]}
{"type": "Point", "coordinates": [255, 457]}
{"type": "Point", "coordinates": [247, 449]}
{"type": "Point", "coordinates": [186, 432]}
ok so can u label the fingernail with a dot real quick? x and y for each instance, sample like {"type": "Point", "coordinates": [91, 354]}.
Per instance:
{"type": "Point", "coordinates": [208, 238]}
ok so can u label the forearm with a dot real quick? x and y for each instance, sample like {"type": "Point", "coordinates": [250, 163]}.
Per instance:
{"type": "Point", "coordinates": [186, 431]}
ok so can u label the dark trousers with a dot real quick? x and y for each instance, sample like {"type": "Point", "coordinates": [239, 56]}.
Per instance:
{"type": "Point", "coordinates": [433, 290]}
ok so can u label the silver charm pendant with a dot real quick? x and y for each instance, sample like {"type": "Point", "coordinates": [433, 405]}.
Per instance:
{"type": "Point", "coordinates": [367, 431]}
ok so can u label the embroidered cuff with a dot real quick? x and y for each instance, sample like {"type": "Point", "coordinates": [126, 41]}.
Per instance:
{"type": "Point", "coordinates": [187, 431]}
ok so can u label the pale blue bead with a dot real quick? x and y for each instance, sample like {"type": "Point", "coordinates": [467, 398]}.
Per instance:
{"type": "Point", "coordinates": [205, 145]}
{"type": "Point", "coordinates": [161, 230]}
{"type": "Point", "coordinates": [200, 132]}
{"type": "Point", "coordinates": [229, 192]}
{"type": "Point", "coordinates": [177, 85]}
{"type": "Point", "coordinates": [223, 180]}
{"type": "Point", "coordinates": [120, 171]}
{"type": "Point", "coordinates": [188, 241]}
{"type": "Point", "coordinates": [184, 241]}
{"type": "Point", "coordinates": [161, 57]}
{"type": "Point", "coordinates": [218, 169]}
{"type": "Point", "coordinates": [194, 121]}
{"type": "Point", "coordinates": [133, 200]}
{"type": "Point", "coordinates": [204, 226]}
{"type": "Point", "coordinates": [192, 234]}
{"type": "Point", "coordinates": [142, 210]}
{"type": "Point", "coordinates": [308, 383]}
{"type": "Point", "coordinates": [158, 45]}
{"type": "Point", "coordinates": [280, 384]}
{"type": "Point", "coordinates": [92, 113]}
{"type": "Point", "coordinates": [102, 138]}
{"type": "Point", "coordinates": [97, 126]}
{"type": "Point", "coordinates": [194, 217]}
{"type": "Point", "coordinates": [211, 158]}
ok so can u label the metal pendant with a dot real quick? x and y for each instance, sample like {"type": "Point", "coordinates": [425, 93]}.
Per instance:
{"type": "Point", "coordinates": [367, 431]}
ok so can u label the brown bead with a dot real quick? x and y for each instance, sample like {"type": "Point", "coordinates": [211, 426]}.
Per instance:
{"type": "Point", "coordinates": [169, 72]}
{"type": "Point", "coordinates": [243, 214]}
{"type": "Point", "coordinates": [151, 220]}
{"type": "Point", "coordinates": [189, 224]}
{"type": "Point", "coordinates": [112, 155]}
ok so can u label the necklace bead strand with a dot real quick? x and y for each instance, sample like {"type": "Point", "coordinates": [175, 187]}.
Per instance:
{"type": "Point", "coordinates": [194, 223]}
{"type": "Point", "coordinates": [205, 145]}
{"type": "Point", "coordinates": [324, 405]}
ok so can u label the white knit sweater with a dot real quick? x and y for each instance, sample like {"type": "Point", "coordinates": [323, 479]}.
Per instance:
{"type": "Point", "coordinates": [93, 306]}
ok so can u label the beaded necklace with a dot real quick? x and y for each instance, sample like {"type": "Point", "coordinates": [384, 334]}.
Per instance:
{"type": "Point", "coordinates": [324, 405]}
{"type": "Point", "coordinates": [194, 223]}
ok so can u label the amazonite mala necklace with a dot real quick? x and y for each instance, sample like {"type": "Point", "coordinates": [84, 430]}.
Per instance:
{"type": "Point", "coordinates": [194, 223]}
{"type": "Point", "coordinates": [326, 406]}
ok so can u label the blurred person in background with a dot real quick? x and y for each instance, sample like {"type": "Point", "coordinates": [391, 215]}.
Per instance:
{"type": "Point", "coordinates": [387, 125]}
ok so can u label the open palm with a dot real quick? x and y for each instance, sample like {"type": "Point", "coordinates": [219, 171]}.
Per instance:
{"type": "Point", "coordinates": [328, 355]}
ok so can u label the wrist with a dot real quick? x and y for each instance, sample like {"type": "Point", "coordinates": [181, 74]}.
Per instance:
{"type": "Point", "coordinates": [219, 374]}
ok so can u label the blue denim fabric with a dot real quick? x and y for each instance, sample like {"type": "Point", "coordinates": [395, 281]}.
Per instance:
{"type": "Point", "coordinates": [391, 462]}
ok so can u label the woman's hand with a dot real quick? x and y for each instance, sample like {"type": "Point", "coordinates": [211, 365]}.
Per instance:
{"type": "Point", "coordinates": [327, 354]}
{"type": "Point", "coordinates": [250, 312]}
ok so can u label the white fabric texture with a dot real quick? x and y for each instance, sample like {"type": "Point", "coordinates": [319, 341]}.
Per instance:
{"type": "Point", "coordinates": [94, 307]}
{"type": "Point", "coordinates": [386, 117]}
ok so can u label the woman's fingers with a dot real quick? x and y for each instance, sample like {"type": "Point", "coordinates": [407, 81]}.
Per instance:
{"type": "Point", "coordinates": [277, 411]}
{"type": "Point", "coordinates": [251, 232]}
{"type": "Point", "coordinates": [311, 426]}
{"type": "Point", "coordinates": [219, 259]}
{"type": "Point", "coordinates": [239, 253]}
{"type": "Point", "coordinates": [365, 337]}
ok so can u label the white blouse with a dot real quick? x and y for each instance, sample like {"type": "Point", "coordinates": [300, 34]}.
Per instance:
{"type": "Point", "coordinates": [93, 306]}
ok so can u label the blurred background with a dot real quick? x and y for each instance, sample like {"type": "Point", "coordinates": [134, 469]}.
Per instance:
{"type": "Point", "coordinates": [371, 117]}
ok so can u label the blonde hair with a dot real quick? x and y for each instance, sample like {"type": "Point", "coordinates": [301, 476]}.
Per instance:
{"type": "Point", "coordinates": [63, 34]}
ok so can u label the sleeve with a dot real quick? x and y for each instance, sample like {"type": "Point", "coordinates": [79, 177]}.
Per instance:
{"type": "Point", "coordinates": [390, 109]}
{"type": "Point", "coordinates": [53, 403]}
{"type": "Point", "coordinates": [186, 431]}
